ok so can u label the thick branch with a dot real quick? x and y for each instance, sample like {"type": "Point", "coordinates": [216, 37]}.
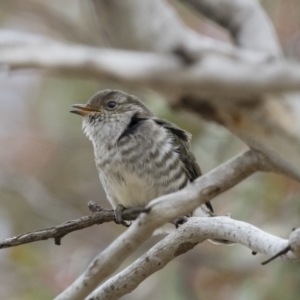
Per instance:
{"type": "Point", "coordinates": [160, 71]}
{"type": "Point", "coordinates": [247, 22]}
{"type": "Point", "coordinates": [195, 231]}
{"type": "Point", "coordinates": [155, 26]}
{"type": "Point", "coordinates": [163, 209]}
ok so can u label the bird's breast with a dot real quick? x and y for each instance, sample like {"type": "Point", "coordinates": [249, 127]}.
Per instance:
{"type": "Point", "coordinates": [139, 168]}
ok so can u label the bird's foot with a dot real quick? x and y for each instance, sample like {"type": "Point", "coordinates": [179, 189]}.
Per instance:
{"type": "Point", "coordinates": [180, 220]}
{"type": "Point", "coordinates": [119, 216]}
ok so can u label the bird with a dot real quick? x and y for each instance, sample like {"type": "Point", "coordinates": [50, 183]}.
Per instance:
{"type": "Point", "coordinates": [139, 156]}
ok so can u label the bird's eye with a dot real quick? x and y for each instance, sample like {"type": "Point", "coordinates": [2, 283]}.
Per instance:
{"type": "Point", "coordinates": [111, 104]}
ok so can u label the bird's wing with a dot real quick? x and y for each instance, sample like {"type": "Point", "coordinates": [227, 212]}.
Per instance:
{"type": "Point", "coordinates": [182, 140]}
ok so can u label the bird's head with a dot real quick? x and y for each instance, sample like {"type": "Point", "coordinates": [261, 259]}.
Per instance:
{"type": "Point", "coordinates": [109, 107]}
{"type": "Point", "coordinates": [109, 103]}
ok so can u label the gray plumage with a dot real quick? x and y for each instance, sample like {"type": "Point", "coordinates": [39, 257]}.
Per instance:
{"type": "Point", "coordinates": [138, 156]}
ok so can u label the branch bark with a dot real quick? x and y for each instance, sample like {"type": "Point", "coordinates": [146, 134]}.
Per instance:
{"type": "Point", "coordinates": [231, 77]}
{"type": "Point", "coordinates": [195, 231]}
{"type": "Point", "coordinates": [58, 232]}
{"type": "Point", "coordinates": [247, 22]}
{"type": "Point", "coordinates": [154, 25]}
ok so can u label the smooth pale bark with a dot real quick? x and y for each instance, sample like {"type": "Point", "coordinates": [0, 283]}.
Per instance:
{"type": "Point", "coordinates": [195, 231]}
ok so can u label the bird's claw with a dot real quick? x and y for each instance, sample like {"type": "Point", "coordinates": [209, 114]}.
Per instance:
{"type": "Point", "coordinates": [180, 220]}
{"type": "Point", "coordinates": [119, 216]}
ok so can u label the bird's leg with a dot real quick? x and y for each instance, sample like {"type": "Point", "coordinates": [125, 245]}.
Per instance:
{"type": "Point", "coordinates": [180, 220]}
{"type": "Point", "coordinates": [118, 216]}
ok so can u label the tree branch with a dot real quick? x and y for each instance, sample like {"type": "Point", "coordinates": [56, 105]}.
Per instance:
{"type": "Point", "coordinates": [159, 71]}
{"type": "Point", "coordinates": [58, 232]}
{"type": "Point", "coordinates": [155, 26]}
{"type": "Point", "coordinates": [247, 22]}
{"type": "Point", "coordinates": [195, 231]}
{"type": "Point", "coordinates": [163, 209]}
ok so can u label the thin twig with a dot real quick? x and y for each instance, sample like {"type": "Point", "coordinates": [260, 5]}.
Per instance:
{"type": "Point", "coordinates": [57, 232]}
{"type": "Point", "coordinates": [283, 251]}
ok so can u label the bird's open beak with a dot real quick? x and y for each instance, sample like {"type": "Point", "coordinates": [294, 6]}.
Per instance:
{"type": "Point", "coordinates": [83, 109]}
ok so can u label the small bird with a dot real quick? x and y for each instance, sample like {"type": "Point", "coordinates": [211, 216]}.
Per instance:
{"type": "Point", "coordinates": [139, 157]}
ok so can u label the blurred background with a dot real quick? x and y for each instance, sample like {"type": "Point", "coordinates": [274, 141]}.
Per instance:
{"type": "Point", "coordinates": [47, 173]}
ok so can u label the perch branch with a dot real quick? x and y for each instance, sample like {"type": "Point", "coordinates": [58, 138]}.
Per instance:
{"type": "Point", "coordinates": [99, 216]}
